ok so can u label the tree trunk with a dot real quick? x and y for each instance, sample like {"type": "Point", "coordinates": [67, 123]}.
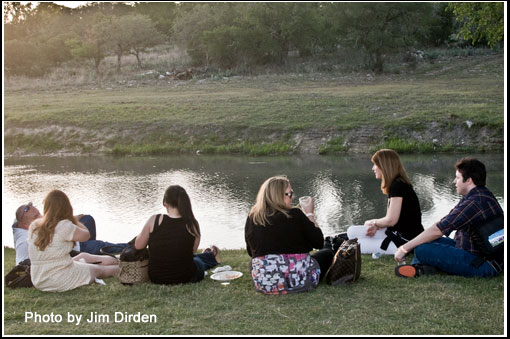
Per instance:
{"type": "Point", "coordinates": [97, 61]}
{"type": "Point", "coordinates": [118, 63]}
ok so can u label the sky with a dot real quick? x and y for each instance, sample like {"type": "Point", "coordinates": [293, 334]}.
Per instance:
{"type": "Point", "coordinates": [72, 4]}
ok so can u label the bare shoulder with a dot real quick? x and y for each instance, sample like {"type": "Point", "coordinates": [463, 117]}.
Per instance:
{"type": "Point", "coordinates": [150, 223]}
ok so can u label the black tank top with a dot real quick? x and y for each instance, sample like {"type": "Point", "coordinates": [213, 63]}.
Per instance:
{"type": "Point", "coordinates": [171, 252]}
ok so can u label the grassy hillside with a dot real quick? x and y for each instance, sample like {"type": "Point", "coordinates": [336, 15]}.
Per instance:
{"type": "Point", "coordinates": [453, 104]}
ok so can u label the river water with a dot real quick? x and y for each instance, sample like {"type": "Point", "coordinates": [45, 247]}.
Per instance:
{"type": "Point", "coordinates": [122, 193]}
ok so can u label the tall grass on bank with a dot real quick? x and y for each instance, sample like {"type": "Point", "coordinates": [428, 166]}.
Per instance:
{"type": "Point", "coordinates": [378, 304]}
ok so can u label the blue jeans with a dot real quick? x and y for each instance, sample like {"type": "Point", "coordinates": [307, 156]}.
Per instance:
{"type": "Point", "coordinates": [203, 261]}
{"type": "Point", "coordinates": [443, 254]}
{"type": "Point", "coordinates": [92, 245]}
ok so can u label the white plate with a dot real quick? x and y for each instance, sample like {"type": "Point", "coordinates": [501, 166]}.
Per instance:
{"type": "Point", "coordinates": [226, 275]}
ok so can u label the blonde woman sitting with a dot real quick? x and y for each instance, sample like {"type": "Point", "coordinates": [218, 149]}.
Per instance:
{"type": "Point", "coordinates": [279, 238]}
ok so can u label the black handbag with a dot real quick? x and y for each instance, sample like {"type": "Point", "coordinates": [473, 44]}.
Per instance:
{"type": "Point", "coordinates": [19, 276]}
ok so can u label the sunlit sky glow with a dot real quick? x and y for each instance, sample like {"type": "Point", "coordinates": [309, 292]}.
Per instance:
{"type": "Point", "coordinates": [72, 4]}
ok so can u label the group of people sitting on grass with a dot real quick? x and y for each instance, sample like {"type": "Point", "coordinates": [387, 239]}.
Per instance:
{"type": "Point", "coordinates": [280, 236]}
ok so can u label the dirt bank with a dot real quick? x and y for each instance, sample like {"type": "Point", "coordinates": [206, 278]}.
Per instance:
{"type": "Point", "coordinates": [66, 140]}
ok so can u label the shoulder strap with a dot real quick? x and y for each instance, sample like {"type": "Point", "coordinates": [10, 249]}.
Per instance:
{"type": "Point", "coordinates": [156, 223]}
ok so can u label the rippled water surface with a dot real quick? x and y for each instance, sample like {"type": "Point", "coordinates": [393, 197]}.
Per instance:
{"type": "Point", "coordinates": [122, 193]}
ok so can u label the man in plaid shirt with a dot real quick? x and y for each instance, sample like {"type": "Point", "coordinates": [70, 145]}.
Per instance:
{"type": "Point", "coordinates": [434, 250]}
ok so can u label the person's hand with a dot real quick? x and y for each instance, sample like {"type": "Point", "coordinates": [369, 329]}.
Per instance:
{"type": "Point", "coordinates": [400, 254]}
{"type": "Point", "coordinates": [371, 222]}
{"type": "Point", "coordinates": [371, 230]}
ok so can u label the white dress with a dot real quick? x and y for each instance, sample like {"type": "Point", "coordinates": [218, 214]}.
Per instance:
{"type": "Point", "coordinates": [53, 269]}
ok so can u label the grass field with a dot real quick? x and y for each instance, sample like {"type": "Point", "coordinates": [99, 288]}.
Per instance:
{"type": "Point", "coordinates": [378, 304]}
{"type": "Point", "coordinates": [261, 114]}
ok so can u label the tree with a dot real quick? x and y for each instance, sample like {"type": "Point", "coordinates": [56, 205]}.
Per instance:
{"type": "Point", "coordinates": [141, 34]}
{"type": "Point", "coordinates": [91, 39]}
{"type": "Point", "coordinates": [162, 14]}
{"type": "Point", "coordinates": [35, 37]}
{"type": "Point", "coordinates": [192, 23]}
{"type": "Point", "coordinates": [442, 25]}
{"type": "Point", "coordinates": [480, 21]}
{"type": "Point", "coordinates": [133, 34]}
{"type": "Point", "coordinates": [20, 57]}
{"type": "Point", "coordinates": [380, 29]}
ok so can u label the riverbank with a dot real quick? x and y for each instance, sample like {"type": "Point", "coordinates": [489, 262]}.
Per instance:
{"type": "Point", "coordinates": [452, 105]}
{"type": "Point", "coordinates": [378, 304]}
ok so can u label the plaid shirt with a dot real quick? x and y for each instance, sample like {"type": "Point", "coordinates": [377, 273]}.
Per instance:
{"type": "Point", "coordinates": [474, 208]}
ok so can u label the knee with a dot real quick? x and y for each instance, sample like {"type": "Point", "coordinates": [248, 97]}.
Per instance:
{"type": "Point", "coordinates": [83, 255]}
{"type": "Point", "coordinates": [87, 220]}
{"type": "Point", "coordinates": [421, 250]}
{"type": "Point", "coordinates": [355, 232]}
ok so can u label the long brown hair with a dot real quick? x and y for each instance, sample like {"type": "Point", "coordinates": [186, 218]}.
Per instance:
{"type": "Point", "coordinates": [391, 167]}
{"type": "Point", "coordinates": [270, 199]}
{"type": "Point", "coordinates": [177, 197]}
{"type": "Point", "coordinates": [57, 207]}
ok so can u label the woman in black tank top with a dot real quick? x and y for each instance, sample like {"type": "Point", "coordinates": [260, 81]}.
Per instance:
{"type": "Point", "coordinates": [402, 221]}
{"type": "Point", "coordinates": [173, 240]}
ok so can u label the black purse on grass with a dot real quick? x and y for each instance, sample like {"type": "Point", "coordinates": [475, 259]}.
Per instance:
{"type": "Point", "coordinates": [19, 276]}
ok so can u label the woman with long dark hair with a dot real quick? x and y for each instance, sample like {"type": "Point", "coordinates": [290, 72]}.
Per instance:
{"type": "Point", "coordinates": [50, 240]}
{"type": "Point", "coordinates": [402, 221]}
{"type": "Point", "coordinates": [173, 240]}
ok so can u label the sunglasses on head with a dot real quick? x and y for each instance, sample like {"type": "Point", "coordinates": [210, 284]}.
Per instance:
{"type": "Point", "coordinates": [25, 210]}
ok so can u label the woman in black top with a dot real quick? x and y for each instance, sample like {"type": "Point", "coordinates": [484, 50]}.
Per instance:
{"type": "Point", "coordinates": [173, 240]}
{"type": "Point", "coordinates": [279, 237]}
{"type": "Point", "coordinates": [403, 215]}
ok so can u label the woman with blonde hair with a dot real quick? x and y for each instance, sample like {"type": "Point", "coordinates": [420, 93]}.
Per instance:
{"type": "Point", "coordinates": [279, 238]}
{"type": "Point", "coordinates": [402, 221]}
{"type": "Point", "coordinates": [50, 240]}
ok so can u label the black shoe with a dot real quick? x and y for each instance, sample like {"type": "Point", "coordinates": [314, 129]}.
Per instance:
{"type": "Point", "coordinates": [74, 253]}
{"type": "Point", "coordinates": [414, 271]}
{"type": "Point", "coordinates": [328, 242]}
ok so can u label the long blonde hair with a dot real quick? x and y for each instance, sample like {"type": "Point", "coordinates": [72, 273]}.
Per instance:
{"type": "Point", "coordinates": [270, 199]}
{"type": "Point", "coordinates": [391, 167]}
{"type": "Point", "coordinates": [57, 207]}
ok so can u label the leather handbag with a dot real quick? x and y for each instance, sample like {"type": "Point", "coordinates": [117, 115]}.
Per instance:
{"type": "Point", "coordinates": [346, 266]}
{"type": "Point", "coordinates": [19, 276]}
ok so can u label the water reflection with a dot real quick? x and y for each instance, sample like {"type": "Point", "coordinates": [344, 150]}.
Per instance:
{"type": "Point", "coordinates": [122, 193]}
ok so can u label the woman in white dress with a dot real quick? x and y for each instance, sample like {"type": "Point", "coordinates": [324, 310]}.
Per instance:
{"type": "Point", "coordinates": [50, 240]}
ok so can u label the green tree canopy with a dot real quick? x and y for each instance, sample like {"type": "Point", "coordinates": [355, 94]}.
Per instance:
{"type": "Point", "coordinates": [480, 21]}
